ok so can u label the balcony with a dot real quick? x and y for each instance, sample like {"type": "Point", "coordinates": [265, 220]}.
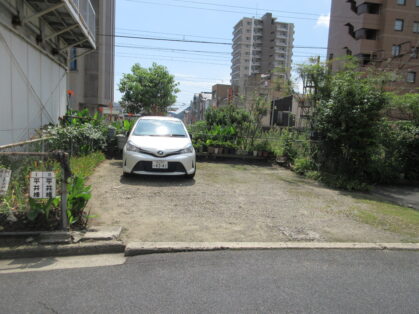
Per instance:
{"type": "Point", "coordinates": [74, 21]}
{"type": "Point", "coordinates": [280, 57]}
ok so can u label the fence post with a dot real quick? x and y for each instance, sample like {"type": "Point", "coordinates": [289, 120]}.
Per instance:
{"type": "Point", "coordinates": [66, 173]}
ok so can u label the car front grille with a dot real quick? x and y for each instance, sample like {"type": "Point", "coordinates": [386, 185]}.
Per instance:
{"type": "Point", "coordinates": [147, 166]}
{"type": "Point", "coordinates": [143, 151]}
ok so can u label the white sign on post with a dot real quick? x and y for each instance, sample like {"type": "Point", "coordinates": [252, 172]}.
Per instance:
{"type": "Point", "coordinates": [42, 184]}
{"type": "Point", "coordinates": [5, 175]}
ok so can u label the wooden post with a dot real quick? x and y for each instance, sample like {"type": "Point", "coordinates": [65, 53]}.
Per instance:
{"type": "Point", "coordinates": [66, 174]}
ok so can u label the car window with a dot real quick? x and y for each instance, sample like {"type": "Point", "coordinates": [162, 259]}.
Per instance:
{"type": "Point", "coordinates": [149, 127]}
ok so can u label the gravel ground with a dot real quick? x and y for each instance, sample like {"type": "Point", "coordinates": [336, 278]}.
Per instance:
{"type": "Point", "coordinates": [230, 201]}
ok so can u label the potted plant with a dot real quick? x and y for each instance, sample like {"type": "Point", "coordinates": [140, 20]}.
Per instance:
{"type": "Point", "coordinates": [198, 145]}
{"type": "Point", "coordinates": [230, 147]}
{"type": "Point", "coordinates": [218, 147]}
{"type": "Point", "coordinates": [211, 146]}
{"type": "Point", "coordinates": [122, 131]}
{"type": "Point", "coordinates": [257, 149]}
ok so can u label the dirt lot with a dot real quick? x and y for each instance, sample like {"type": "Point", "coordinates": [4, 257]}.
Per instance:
{"type": "Point", "coordinates": [241, 202]}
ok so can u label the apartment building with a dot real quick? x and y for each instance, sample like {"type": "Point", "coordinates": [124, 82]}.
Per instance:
{"type": "Point", "coordinates": [222, 94]}
{"type": "Point", "coordinates": [35, 39]}
{"type": "Point", "coordinates": [91, 76]}
{"type": "Point", "coordinates": [384, 33]}
{"type": "Point", "coordinates": [259, 47]}
{"type": "Point", "coordinates": [200, 103]}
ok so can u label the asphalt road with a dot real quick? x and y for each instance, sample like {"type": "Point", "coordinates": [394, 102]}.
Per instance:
{"type": "Point", "coordinates": [284, 281]}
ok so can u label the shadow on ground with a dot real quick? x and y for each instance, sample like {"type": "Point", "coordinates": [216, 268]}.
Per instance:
{"type": "Point", "coordinates": [400, 195]}
{"type": "Point", "coordinates": [30, 263]}
{"type": "Point", "coordinates": [156, 181]}
{"type": "Point", "coordinates": [144, 180]}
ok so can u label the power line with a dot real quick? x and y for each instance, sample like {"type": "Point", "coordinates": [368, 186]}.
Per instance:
{"type": "Point", "coordinates": [318, 15]}
{"type": "Point", "coordinates": [216, 10]}
{"type": "Point", "coordinates": [185, 54]}
{"type": "Point", "coordinates": [164, 33]}
{"type": "Point", "coordinates": [212, 54]}
{"type": "Point", "coordinates": [174, 57]}
{"type": "Point", "coordinates": [168, 39]}
{"type": "Point", "coordinates": [193, 41]}
{"type": "Point", "coordinates": [173, 49]}
{"type": "Point", "coordinates": [172, 60]}
{"type": "Point", "coordinates": [249, 8]}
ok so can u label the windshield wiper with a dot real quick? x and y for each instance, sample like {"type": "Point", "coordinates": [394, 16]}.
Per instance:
{"type": "Point", "coordinates": [178, 135]}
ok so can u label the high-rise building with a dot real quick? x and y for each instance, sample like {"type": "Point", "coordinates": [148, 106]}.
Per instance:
{"type": "Point", "coordinates": [384, 33]}
{"type": "Point", "coordinates": [259, 47]}
{"type": "Point", "coordinates": [91, 76]}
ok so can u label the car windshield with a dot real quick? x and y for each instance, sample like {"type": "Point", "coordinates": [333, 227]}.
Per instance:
{"type": "Point", "coordinates": [150, 127]}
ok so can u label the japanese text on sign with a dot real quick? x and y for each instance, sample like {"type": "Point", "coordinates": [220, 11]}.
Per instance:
{"type": "Point", "coordinates": [42, 184]}
{"type": "Point", "coordinates": [5, 175]}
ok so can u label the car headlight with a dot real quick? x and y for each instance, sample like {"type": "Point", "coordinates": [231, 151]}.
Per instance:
{"type": "Point", "coordinates": [187, 150]}
{"type": "Point", "coordinates": [130, 147]}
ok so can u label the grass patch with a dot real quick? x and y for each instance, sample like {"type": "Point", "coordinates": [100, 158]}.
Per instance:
{"type": "Point", "coordinates": [390, 217]}
{"type": "Point", "coordinates": [84, 166]}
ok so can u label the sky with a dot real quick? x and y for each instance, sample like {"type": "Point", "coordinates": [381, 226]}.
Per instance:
{"type": "Point", "coordinates": [198, 66]}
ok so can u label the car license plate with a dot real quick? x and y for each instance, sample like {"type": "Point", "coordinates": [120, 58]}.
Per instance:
{"type": "Point", "coordinates": [160, 164]}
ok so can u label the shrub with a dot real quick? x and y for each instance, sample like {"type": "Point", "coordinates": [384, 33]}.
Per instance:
{"type": "Point", "coordinates": [302, 165]}
{"type": "Point", "coordinates": [78, 195]}
{"type": "Point", "coordinates": [78, 139]}
{"type": "Point", "coordinates": [398, 154]}
{"type": "Point", "coordinates": [348, 123]}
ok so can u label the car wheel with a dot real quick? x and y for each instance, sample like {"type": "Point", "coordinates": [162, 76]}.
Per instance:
{"type": "Point", "coordinates": [190, 176]}
{"type": "Point", "coordinates": [127, 174]}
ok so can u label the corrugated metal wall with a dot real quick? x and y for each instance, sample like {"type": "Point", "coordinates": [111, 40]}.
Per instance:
{"type": "Point", "coordinates": [32, 89]}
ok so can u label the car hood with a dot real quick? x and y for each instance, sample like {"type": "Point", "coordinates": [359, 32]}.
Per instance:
{"type": "Point", "coordinates": [155, 143]}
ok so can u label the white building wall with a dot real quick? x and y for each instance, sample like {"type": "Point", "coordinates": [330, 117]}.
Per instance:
{"type": "Point", "coordinates": [32, 88]}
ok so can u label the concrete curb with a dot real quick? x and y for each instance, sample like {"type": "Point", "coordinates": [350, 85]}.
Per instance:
{"type": "Point", "coordinates": [83, 248]}
{"type": "Point", "coordinates": [139, 248]}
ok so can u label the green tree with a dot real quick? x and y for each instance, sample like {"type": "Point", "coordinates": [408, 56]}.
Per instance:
{"type": "Point", "coordinates": [148, 89]}
{"type": "Point", "coordinates": [348, 122]}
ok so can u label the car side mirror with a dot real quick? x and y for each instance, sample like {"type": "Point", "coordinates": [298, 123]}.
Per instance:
{"type": "Point", "coordinates": [190, 135]}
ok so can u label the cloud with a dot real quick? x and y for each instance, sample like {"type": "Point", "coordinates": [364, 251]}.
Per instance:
{"type": "Point", "coordinates": [323, 21]}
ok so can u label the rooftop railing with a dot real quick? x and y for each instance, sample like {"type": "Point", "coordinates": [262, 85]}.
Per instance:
{"type": "Point", "coordinates": [87, 14]}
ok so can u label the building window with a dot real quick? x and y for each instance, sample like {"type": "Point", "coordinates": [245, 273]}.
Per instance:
{"type": "Point", "coordinates": [416, 27]}
{"type": "Point", "coordinates": [73, 59]}
{"type": "Point", "coordinates": [415, 52]}
{"type": "Point", "coordinates": [401, 2]}
{"type": "Point", "coordinates": [395, 50]}
{"type": "Point", "coordinates": [411, 77]}
{"type": "Point", "coordinates": [368, 8]}
{"type": "Point", "coordinates": [366, 33]}
{"type": "Point", "coordinates": [417, 3]}
{"type": "Point", "coordinates": [398, 25]}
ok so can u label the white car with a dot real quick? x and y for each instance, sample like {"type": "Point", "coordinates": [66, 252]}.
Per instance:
{"type": "Point", "coordinates": [159, 146]}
